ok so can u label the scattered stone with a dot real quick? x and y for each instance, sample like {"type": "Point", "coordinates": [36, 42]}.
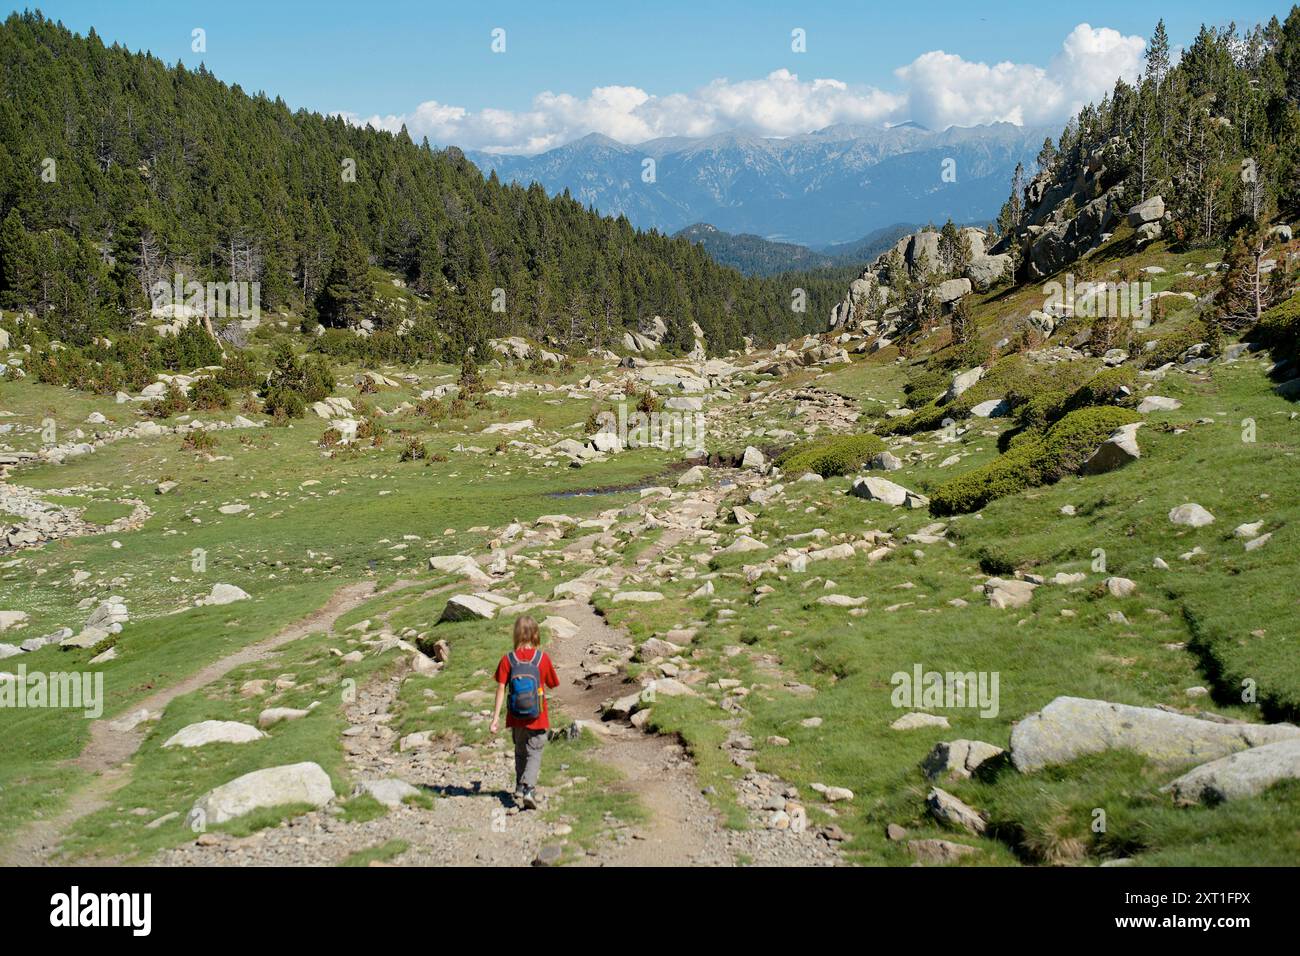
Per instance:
{"type": "Point", "coordinates": [1158, 403]}
{"type": "Point", "coordinates": [390, 792]}
{"type": "Point", "coordinates": [1008, 593]}
{"type": "Point", "coordinates": [947, 809]}
{"type": "Point", "coordinates": [917, 720]}
{"type": "Point", "coordinates": [224, 594]}
{"type": "Point", "coordinates": [958, 759]}
{"type": "Point", "coordinates": [1120, 587]}
{"type": "Point", "coordinates": [272, 787]}
{"type": "Point", "coordinates": [274, 715]}
{"type": "Point", "coordinates": [938, 851]}
{"type": "Point", "coordinates": [213, 732]}
{"type": "Point", "coordinates": [1192, 515]}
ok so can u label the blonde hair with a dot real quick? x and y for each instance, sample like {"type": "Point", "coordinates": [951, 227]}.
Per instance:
{"type": "Point", "coordinates": [526, 632]}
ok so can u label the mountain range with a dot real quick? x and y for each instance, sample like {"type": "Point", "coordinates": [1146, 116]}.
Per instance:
{"type": "Point", "coordinates": [834, 185]}
{"type": "Point", "coordinates": [754, 255]}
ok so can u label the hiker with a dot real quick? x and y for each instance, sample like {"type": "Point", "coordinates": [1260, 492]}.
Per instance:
{"type": "Point", "coordinates": [522, 678]}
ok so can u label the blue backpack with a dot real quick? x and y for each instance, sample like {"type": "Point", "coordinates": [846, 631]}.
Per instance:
{"type": "Point", "coordinates": [525, 687]}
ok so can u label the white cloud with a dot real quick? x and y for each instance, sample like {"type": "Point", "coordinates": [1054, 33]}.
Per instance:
{"type": "Point", "coordinates": [945, 90]}
{"type": "Point", "coordinates": [938, 89]}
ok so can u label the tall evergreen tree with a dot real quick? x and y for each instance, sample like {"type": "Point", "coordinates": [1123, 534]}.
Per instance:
{"type": "Point", "coordinates": [346, 295]}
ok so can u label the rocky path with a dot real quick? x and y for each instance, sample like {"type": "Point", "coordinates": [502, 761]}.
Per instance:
{"type": "Point", "coordinates": [471, 818]}
{"type": "Point", "coordinates": [112, 743]}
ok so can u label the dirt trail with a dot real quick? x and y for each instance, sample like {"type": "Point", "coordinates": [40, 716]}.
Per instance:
{"type": "Point", "coordinates": [681, 828]}
{"type": "Point", "coordinates": [113, 742]}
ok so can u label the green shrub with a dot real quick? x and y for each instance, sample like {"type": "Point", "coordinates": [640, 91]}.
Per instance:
{"type": "Point", "coordinates": [293, 382]}
{"type": "Point", "coordinates": [1279, 328]}
{"type": "Point", "coordinates": [1108, 387]}
{"type": "Point", "coordinates": [1010, 377]}
{"type": "Point", "coordinates": [237, 371]}
{"type": "Point", "coordinates": [199, 440]}
{"type": "Point", "coordinates": [1043, 409]}
{"type": "Point", "coordinates": [207, 394]}
{"type": "Point", "coordinates": [413, 450]}
{"type": "Point", "coordinates": [828, 457]}
{"type": "Point", "coordinates": [282, 402]}
{"type": "Point", "coordinates": [1035, 458]}
{"type": "Point", "coordinates": [925, 387]}
{"type": "Point", "coordinates": [173, 402]}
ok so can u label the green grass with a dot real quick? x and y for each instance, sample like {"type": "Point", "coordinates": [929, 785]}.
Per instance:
{"type": "Point", "coordinates": [377, 854]}
{"type": "Point", "coordinates": [1038, 653]}
{"type": "Point", "coordinates": [1219, 619]}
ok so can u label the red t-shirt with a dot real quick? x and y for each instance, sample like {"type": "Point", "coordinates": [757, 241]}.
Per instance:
{"type": "Point", "coordinates": [549, 678]}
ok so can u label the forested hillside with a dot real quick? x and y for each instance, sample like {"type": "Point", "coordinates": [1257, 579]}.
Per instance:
{"type": "Point", "coordinates": [1215, 135]}
{"type": "Point", "coordinates": [117, 171]}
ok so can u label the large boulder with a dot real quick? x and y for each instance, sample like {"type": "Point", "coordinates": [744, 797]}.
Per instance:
{"type": "Point", "coordinates": [1243, 774]}
{"type": "Point", "coordinates": [468, 607]}
{"type": "Point", "coordinates": [961, 382]}
{"type": "Point", "coordinates": [957, 759]}
{"type": "Point", "coordinates": [1071, 727]}
{"type": "Point", "coordinates": [879, 489]}
{"type": "Point", "coordinates": [950, 290]}
{"type": "Point", "coordinates": [459, 564]}
{"type": "Point", "coordinates": [1149, 210]}
{"type": "Point", "coordinates": [273, 787]}
{"type": "Point", "coordinates": [1008, 593]}
{"type": "Point", "coordinates": [985, 271]}
{"type": "Point", "coordinates": [1191, 515]}
{"type": "Point", "coordinates": [922, 246]}
{"type": "Point", "coordinates": [1115, 452]}
{"type": "Point", "coordinates": [225, 594]}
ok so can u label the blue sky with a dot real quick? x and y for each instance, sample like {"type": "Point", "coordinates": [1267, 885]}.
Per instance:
{"type": "Point", "coordinates": [385, 59]}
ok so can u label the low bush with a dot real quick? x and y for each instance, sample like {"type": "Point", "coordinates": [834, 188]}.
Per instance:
{"type": "Point", "coordinates": [1010, 377]}
{"type": "Point", "coordinates": [413, 450]}
{"type": "Point", "coordinates": [828, 457]}
{"type": "Point", "coordinates": [199, 440]}
{"type": "Point", "coordinates": [1279, 329]}
{"type": "Point", "coordinates": [172, 402]}
{"type": "Point", "coordinates": [1036, 458]}
{"type": "Point", "coordinates": [207, 394]}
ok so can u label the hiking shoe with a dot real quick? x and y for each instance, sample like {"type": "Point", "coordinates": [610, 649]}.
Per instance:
{"type": "Point", "coordinates": [530, 799]}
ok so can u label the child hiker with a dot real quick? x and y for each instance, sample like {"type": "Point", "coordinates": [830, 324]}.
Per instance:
{"type": "Point", "coordinates": [522, 678]}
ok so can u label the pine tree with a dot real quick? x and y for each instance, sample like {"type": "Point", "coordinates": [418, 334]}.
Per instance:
{"type": "Point", "coordinates": [17, 263]}
{"type": "Point", "coordinates": [346, 295]}
{"type": "Point", "coordinates": [1244, 289]}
